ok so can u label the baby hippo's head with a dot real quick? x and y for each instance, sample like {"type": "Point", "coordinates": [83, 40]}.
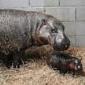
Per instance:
{"type": "Point", "coordinates": [75, 64]}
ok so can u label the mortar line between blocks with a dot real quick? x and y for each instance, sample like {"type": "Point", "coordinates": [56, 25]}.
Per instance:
{"type": "Point", "coordinates": [59, 2]}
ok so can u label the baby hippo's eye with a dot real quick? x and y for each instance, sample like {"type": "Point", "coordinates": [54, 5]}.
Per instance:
{"type": "Point", "coordinates": [76, 61]}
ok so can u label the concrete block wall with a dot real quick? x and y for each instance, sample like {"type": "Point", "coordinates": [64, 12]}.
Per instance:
{"type": "Point", "coordinates": [70, 12]}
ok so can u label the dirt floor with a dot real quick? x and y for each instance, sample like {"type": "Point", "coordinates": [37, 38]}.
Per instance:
{"type": "Point", "coordinates": [38, 73]}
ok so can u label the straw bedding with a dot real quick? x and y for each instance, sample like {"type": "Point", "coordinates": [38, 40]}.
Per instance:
{"type": "Point", "coordinates": [38, 73]}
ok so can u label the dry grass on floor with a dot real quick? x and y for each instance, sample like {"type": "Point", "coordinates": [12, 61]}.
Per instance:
{"type": "Point", "coordinates": [38, 73]}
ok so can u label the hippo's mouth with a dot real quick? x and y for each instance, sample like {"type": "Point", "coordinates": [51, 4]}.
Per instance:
{"type": "Point", "coordinates": [64, 45]}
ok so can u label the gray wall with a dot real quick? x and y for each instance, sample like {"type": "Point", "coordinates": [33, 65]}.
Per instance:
{"type": "Point", "coordinates": [70, 12]}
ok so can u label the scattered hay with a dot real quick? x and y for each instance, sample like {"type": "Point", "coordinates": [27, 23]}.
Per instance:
{"type": "Point", "coordinates": [38, 73]}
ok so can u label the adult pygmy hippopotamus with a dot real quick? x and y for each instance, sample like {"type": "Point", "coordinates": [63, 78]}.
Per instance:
{"type": "Point", "coordinates": [20, 30]}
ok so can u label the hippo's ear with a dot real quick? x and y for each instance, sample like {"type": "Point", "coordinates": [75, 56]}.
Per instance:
{"type": "Point", "coordinates": [44, 21]}
{"type": "Point", "coordinates": [61, 26]}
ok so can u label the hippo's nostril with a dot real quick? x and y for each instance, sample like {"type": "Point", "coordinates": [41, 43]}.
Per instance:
{"type": "Point", "coordinates": [66, 46]}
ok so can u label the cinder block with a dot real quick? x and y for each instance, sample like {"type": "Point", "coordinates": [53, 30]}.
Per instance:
{"type": "Point", "coordinates": [72, 2]}
{"type": "Point", "coordinates": [80, 28]}
{"type": "Point", "coordinates": [80, 41]}
{"type": "Point", "coordinates": [38, 9]}
{"type": "Point", "coordinates": [70, 28]}
{"type": "Point", "coordinates": [13, 3]}
{"type": "Point", "coordinates": [64, 14]}
{"type": "Point", "coordinates": [37, 3]}
{"type": "Point", "coordinates": [74, 28]}
{"type": "Point", "coordinates": [44, 3]}
{"type": "Point", "coordinates": [80, 14]}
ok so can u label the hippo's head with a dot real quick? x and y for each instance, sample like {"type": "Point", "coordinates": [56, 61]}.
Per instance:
{"type": "Point", "coordinates": [52, 32]}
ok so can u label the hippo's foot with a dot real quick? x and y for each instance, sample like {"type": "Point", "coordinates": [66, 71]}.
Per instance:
{"type": "Point", "coordinates": [7, 60]}
{"type": "Point", "coordinates": [17, 60]}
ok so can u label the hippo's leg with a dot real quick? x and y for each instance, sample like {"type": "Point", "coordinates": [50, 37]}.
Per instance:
{"type": "Point", "coordinates": [44, 50]}
{"type": "Point", "coordinates": [63, 70]}
{"type": "Point", "coordinates": [17, 59]}
{"type": "Point", "coordinates": [8, 61]}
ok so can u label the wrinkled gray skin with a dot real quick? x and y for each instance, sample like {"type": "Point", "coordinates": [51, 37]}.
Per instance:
{"type": "Point", "coordinates": [19, 30]}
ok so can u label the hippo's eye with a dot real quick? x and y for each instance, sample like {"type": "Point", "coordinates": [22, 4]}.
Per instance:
{"type": "Point", "coordinates": [53, 31]}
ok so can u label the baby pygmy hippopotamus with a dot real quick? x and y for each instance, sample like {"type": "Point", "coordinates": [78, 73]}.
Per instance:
{"type": "Point", "coordinates": [64, 62]}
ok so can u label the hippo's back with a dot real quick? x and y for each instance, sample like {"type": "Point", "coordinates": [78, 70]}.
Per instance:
{"type": "Point", "coordinates": [16, 28]}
